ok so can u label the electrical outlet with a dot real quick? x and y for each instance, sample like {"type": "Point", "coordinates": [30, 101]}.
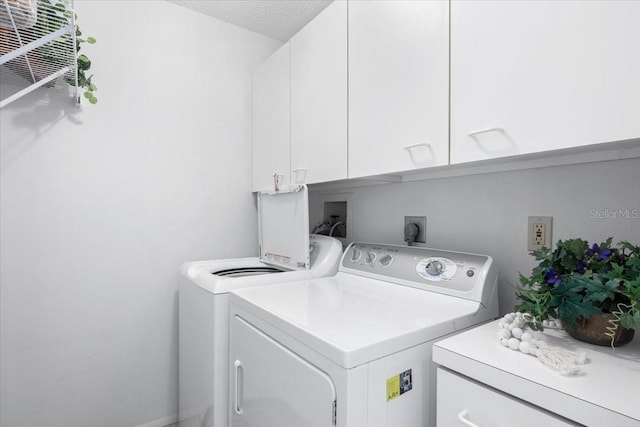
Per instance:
{"type": "Point", "coordinates": [421, 222]}
{"type": "Point", "coordinates": [539, 232]}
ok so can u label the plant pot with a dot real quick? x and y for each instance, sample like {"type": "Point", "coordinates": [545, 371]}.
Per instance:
{"type": "Point", "coordinates": [593, 330]}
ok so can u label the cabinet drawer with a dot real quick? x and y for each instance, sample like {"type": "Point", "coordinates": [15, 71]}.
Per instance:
{"type": "Point", "coordinates": [464, 402]}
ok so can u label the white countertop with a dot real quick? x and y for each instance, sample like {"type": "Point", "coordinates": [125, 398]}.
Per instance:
{"type": "Point", "coordinates": [607, 394]}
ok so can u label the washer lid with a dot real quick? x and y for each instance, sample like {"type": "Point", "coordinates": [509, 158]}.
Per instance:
{"type": "Point", "coordinates": [283, 227]}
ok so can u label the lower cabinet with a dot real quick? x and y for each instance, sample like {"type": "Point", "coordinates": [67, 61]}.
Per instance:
{"type": "Point", "coordinates": [481, 383]}
{"type": "Point", "coordinates": [464, 402]}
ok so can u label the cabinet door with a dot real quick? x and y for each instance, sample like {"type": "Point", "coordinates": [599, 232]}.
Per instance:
{"type": "Point", "coordinates": [319, 97]}
{"type": "Point", "coordinates": [531, 76]}
{"type": "Point", "coordinates": [398, 86]}
{"type": "Point", "coordinates": [463, 402]}
{"type": "Point", "coordinates": [272, 386]}
{"type": "Point", "coordinates": [271, 120]}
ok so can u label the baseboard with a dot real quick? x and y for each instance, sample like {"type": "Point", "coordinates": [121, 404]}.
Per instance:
{"type": "Point", "coordinates": [170, 421]}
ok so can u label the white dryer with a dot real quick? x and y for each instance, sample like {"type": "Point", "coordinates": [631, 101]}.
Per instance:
{"type": "Point", "coordinates": [354, 350]}
{"type": "Point", "coordinates": [285, 248]}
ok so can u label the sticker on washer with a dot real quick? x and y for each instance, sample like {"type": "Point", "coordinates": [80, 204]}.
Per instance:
{"type": "Point", "coordinates": [399, 384]}
{"type": "Point", "coordinates": [277, 257]}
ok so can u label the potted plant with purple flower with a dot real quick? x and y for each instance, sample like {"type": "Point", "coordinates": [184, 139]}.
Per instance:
{"type": "Point", "coordinates": [594, 290]}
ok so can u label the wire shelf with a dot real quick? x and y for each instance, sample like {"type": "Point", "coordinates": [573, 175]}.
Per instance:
{"type": "Point", "coordinates": [37, 46]}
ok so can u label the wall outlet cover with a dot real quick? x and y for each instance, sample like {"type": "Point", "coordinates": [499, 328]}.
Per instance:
{"type": "Point", "coordinates": [539, 232]}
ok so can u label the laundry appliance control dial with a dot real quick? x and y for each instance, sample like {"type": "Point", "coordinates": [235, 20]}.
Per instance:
{"type": "Point", "coordinates": [370, 257]}
{"type": "Point", "coordinates": [436, 268]}
{"type": "Point", "coordinates": [386, 260]}
{"type": "Point", "coordinates": [355, 254]}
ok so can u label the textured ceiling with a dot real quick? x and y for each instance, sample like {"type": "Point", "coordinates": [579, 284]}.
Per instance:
{"type": "Point", "coordinates": [278, 19]}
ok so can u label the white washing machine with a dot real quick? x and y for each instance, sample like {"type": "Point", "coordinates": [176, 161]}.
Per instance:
{"type": "Point", "coordinates": [286, 248]}
{"type": "Point", "coordinates": [353, 350]}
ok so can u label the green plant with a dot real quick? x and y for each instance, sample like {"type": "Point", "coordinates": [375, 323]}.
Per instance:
{"type": "Point", "coordinates": [83, 65]}
{"type": "Point", "coordinates": [52, 16]}
{"type": "Point", "coordinates": [577, 280]}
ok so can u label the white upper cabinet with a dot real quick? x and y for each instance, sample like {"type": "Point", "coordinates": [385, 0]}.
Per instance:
{"type": "Point", "coordinates": [319, 97]}
{"type": "Point", "coordinates": [271, 121]}
{"type": "Point", "coordinates": [532, 76]}
{"type": "Point", "coordinates": [398, 86]}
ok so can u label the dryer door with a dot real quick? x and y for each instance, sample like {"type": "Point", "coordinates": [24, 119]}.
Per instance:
{"type": "Point", "coordinates": [272, 386]}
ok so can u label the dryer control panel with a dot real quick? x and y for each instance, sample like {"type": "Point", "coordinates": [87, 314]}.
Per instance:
{"type": "Point", "coordinates": [453, 273]}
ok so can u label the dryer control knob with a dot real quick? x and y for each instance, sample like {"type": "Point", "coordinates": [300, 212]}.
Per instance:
{"type": "Point", "coordinates": [386, 260]}
{"type": "Point", "coordinates": [370, 257]}
{"type": "Point", "coordinates": [355, 255]}
{"type": "Point", "coordinates": [434, 268]}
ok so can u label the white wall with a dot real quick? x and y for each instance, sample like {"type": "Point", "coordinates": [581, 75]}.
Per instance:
{"type": "Point", "coordinates": [99, 206]}
{"type": "Point", "coordinates": [488, 213]}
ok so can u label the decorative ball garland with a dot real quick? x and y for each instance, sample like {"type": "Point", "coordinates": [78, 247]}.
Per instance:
{"type": "Point", "coordinates": [514, 334]}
